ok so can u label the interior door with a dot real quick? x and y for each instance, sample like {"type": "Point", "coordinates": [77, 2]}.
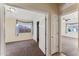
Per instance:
{"type": "Point", "coordinates": [54, 35]}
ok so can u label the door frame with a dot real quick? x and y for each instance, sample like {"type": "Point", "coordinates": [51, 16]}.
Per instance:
{"type": "Point", "coordinates": [2, 31]}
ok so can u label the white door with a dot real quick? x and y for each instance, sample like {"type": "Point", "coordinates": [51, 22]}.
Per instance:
{"type": "Point", "coordinates": [54, 35]}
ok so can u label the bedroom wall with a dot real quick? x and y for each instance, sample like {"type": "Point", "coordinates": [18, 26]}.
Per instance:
{"type": "Point", "coordinates": [10, 26]}
{"type": "Point", "coordinates": [73, 19]}
{"type": "Point", "coordinates": [68, 42]}
{"type": "Point", "coordinates": [10, 31]}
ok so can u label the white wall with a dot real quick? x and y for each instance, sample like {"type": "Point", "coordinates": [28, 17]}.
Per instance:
{"type": "Point", "coordinates": [74, 19]}
{"type": "Point", "coordinates": [69, 41]}
{"type": "Point", "coordinates": [10, 25]}
{"type": "Point", "coordinates": [10, 31]}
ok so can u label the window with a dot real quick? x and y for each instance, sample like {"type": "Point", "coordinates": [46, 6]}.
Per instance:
{"type": "Point", "coordinates": [23, 27]}
{"type": "Point", "coordinates": [71, 27]}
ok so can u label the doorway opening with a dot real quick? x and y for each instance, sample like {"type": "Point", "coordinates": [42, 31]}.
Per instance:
{"type": "Point", "coordinates": [38, 33]}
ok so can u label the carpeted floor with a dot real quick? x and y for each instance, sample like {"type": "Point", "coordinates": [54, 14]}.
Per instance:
{"type": "Point", "coordinates": [23, 48]}
{"type": "Point", "coordinates": [58, 54]}
{"type": "Point", "coordinates": [70, 46]}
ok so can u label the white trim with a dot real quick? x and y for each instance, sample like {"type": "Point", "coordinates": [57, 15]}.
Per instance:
{"type": "Point", "coordinates": [2, 24]}
{"type": "Point", "coordinates": [78, 31]}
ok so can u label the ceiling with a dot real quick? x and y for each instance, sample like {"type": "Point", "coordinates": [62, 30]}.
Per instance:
{"type": "Point", "coordinates": [23, 13]}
